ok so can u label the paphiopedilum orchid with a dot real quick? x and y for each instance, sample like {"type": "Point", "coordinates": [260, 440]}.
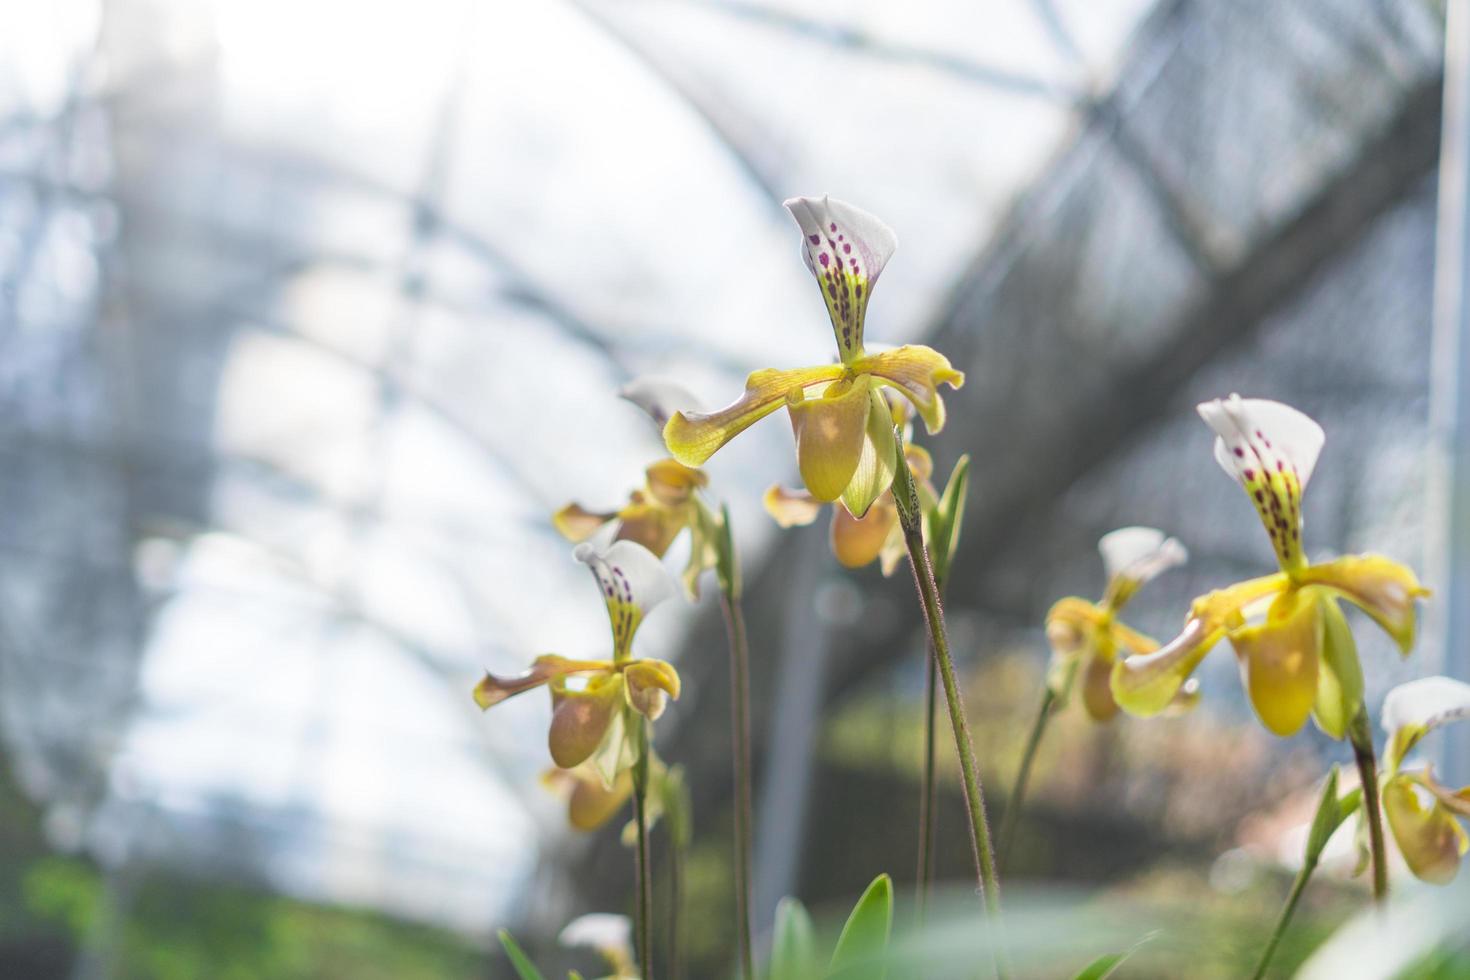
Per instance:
{"type": "Point", "coordinates": [1422, 814]}
{"type": "Point", "coordinates": [844, 435]}
{"type": "Point", "coordinates": [1086, 637]}
{"type": "Point", "coordinates": [859, 541]}
{"type": "Point", "coordinates": [655, 516]}
{"type": "Point", "coordinates": [610, 936]}
{"type": "Point", "coordinates": [594, 701]}
{"type": "Point", "coordinates": [1296, 652]}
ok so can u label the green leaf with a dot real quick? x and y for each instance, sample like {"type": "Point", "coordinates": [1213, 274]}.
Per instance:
{"type": "Point", "coordinates": [1330, 814]}
{"type": "Point", "coordinates": [1101, 967]}
{"type": "Point", "coordinates": [727, 567]}
{"type": "Point", "coordinates": [793, 951]}
{"type": "Point", "coordinates": [865, 936]}
{"type": "Point", "coordinates": [948, 515]}
{"type": "Point", "coordinates": [1104, 966]}
{"type": "Point", "coordinates": [525, 969]}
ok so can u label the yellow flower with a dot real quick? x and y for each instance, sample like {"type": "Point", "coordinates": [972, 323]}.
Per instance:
{"type": "Point", "coordinates": [592, 701]}
{"type": "Point", "coordinates": [844, 438]}
{"type": "Point", "coordinates": [1421, 813]}
{"type": "Point", "coordinates": [654, 516]}
{"type": "Point", "coordinates": [1296, 653]}
{"type": "Point", "coordinates": [610, 936]}
{"type": "Point", "coordinates": [1085, 637]}
{"type": "Point", "coordinates": [858, 541]}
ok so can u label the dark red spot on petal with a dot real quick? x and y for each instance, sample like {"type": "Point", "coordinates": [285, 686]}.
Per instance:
{"type": "Point", "coordinates": [1239, 452]}
{"type": "Point", "coordinates": [823, 259]}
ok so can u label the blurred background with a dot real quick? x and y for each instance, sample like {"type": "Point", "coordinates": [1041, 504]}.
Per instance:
{"type": "Point", "coordinates": [311, 313]}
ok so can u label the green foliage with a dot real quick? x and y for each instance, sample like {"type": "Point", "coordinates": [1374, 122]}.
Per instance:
{"type": "Point", "coordinates": [1331, 812]}
{"type": "Point", "coordinates": [864, 937]}
{"type": "Point", "coordinates": [944, 522]}
{"type": "Point", "coordinates": [524, 968]}
{"type": "Point", "coordinates": [793, 952]}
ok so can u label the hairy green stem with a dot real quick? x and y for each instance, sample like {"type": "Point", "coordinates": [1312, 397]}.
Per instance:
{"type": "Point", "coordinates": [910, 519]}
{"type": "Point", "coordinates": [740, 736]}
{"type": "Point", "coordinates": [1287, 910]}
{"type": "Point", "coordinates": [1014, 802]}
{"type": "Point", "coordinates": [643, 917]}
{"type": "Point", "coordinates": [1361, 737]}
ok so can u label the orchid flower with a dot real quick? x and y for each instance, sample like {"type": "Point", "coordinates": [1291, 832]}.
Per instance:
{"type": "Point", "coordinates": [1296, 652]}
{"type": "Point", "coordinates": [1422, 813]}
{"type": "Point", "coordinates": [844, 438]}
{"type": "Point", "coordinates": [1085, 637]}
{"type": "Point", "coordinates": [610, 936]}
{"type": "Point", "coordinates": [655, 516]}
{"type": "Point", "coordinates": [859, 541]}
{"type": "Point", "coordinates": [593, 701]}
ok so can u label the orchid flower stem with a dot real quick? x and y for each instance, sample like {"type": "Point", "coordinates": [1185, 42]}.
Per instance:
{"type": "Point", "coordinates": [928, 791]}
{"type": "Point", "coordinates": [910, 518]}
{"type": "Point", "coordinates": [740, 736]}
{"type": "Point", "coordinates": [676, 898]}
{"type": "Point", "coordinates": [1287, 910]}
{"type": "Point", "coordinates": [1017, 798]}
{"type": "Point", "coordinates": [644, 908]}
{"type": "Point", "coordinates": [1361, 736]}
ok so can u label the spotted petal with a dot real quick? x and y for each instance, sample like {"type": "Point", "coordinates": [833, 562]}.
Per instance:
{"type": "Point", "coordinates": [1428, 835]}
{"type": "Point", "coordinates": [830, 430]}
{"type": "Point", "coordinates": [492, 690]}
{"type": "Point", "coordinates": [1413, 710]}
{"type": "Point", "coordinates": [1380, 586]}
{"type": "Point", "coordinates": [917, 372]}
{"type": "Point", "coordinates": [692, 437]}
{"type": "Point", "coordinates": [580, 717]}
{"type": "Point", "coordinates": [1134, 555]}
{"type": "Point", "coordinates": [632, 580]}
{"type": "Point", "coordinates": [1279, 662]}
{"type": "Point", "coordinates": [1271, 449]}
{"type": "Point", "coordinates": [846, 248]}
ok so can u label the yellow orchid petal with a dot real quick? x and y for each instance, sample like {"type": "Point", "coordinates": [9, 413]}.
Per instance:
{"type": "Point", "coordinates": [1127, 638]}
{"type": "Point", "coordinates": [1429, 837]}
{"type": "Point", "coordinates": [830, 429]}
{"type": "Point", "coordinates": [1379, 586]}
{"type": "Point", "coordinates": [1339, 674]}
{"type": "Point", "coordinates": [694, 437]}
{"type": "Point", "coordinates": [670, 482]}
{"type": "Point", "coordinates": [1454, 800]}
{"type": "Point", "coordinates": [580, 717]}
{"type": "Point", "coordinates": [874, 473]}
{"type": "Point", "coordinates": [921, 464]}
{"type": "Point", "coordinates": [576, 523]}
{"type": "Point", "coordinates": [650, 685]}
{"type": "Point", "coordinates": [632, 580]}
{"type": "Point", "coordinates": [652, 525]}
{"type": "Point", "coordinates": [1146, 684]}
{"type": "Point", "coordinates": [894, 550]}
{"type": "Point", "coordinates": [1271, 449]}
{"type": "Point", "coordinates": [1185, 701]}
{"type": "Point", "coordinates": [1071, 626]}
{"type": "Point", "coordinates": [858, 541]}
{"type": "Point", "coordinates": [846, 248]}
{"type": "Point", "coordinates": [704, 552]}
{"type": "Point", "coordinates": [590, 804]}
{"type": "Point", "coordinates": [1279, 660]}
{"type": "Point", "coordinates": [492, 690]}
{"type": "Point", "coordinates": [916, 371]}
{"type": "Point", "coordinates": [791, 508]}
{"type": "Point", "coordinates": [1097, 692]}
